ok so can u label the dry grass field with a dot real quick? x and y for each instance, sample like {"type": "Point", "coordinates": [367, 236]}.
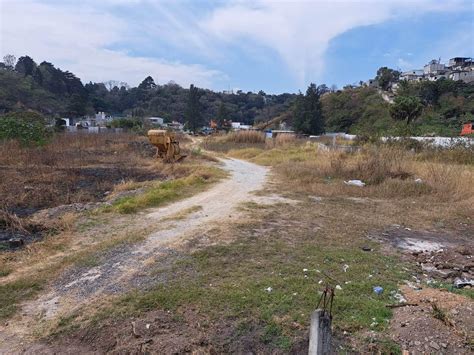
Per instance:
{"type": "Point", "coordinates": [251, 283]}
{"type": "Point", "coordinates": [72, 168]}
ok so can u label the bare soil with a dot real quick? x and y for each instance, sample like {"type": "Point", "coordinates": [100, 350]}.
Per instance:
{"type": "Point", "coordinates": [418, 330]}
{"type": "Point", "coordinates": [440, 256]}
{"type": "Point", "coordinates": [438, 321]}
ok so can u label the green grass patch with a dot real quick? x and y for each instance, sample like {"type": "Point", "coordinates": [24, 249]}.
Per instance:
{"type": "Point", "coordinates": [11, 293]}
{"type": "Point", "coordinates": [168, 191]}
{"type": "Point", "coordinates": [468, 292]}
{"type": "Point", "coordinates": [231, 282]}
{"type": "Point", "coordinates": [5, 271]}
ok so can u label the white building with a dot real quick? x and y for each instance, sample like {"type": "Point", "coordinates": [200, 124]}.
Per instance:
{"type": "Point", "coordinates": [460, 62]}
{"type": "Point", "coordinates": [433, 67]}
{"type": "Point", "coordinates": [459, 68]}
{"type": "Point", "coordinates": [156, 120]}
{"type": "Point", "coordinates": [100, 116]}
{"type": "Point", "coordinates": [412, 75]}
{"type": "Point", "coordinates": [466, 75]}
{"type": "Point", "coordinates": [237, 126]}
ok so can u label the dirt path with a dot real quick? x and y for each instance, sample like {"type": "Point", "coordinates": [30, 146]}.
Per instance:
{"type": "Point", "coordinates": [125, 268]}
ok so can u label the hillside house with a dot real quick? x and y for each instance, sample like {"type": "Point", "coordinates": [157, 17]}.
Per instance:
{"type": "Point", "coordinates": [458, 68]}
{"type": "Point", "coordinates": [412, 75]}
{"type": "Point", "coordinates": [156, 120]}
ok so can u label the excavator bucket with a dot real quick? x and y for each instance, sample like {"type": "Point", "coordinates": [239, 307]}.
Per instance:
{"type": "Point", "coordinates": [167, 147]}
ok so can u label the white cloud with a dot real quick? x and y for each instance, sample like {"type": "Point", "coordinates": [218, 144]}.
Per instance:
{"type": "Point", "coordinates": [300, 31]}
{"type": "Point", "coordinates": [77, 38]}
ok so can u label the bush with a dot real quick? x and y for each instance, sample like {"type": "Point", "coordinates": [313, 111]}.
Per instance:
{"type": "Point", "coordinates": [129, 123]}
{"type": "Point", "coordinates": [26, 127]}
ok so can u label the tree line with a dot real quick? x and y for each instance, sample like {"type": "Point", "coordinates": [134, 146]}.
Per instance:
{"type": "Point", "coordinates": [24, 84]}
{"type": "Point", "coordinates": [428, 107]}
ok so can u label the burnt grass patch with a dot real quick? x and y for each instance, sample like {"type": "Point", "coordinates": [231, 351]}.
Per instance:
{"type": "Point", "coordinates": [72, 168]}
{"type": "Point", "coordinates": [11, 240]}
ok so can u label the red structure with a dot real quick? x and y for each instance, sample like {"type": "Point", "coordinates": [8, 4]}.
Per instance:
{"type": "Point", "coordinates": [467, 129]}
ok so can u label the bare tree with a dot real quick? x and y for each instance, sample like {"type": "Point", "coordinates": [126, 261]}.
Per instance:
{"type": "Point", "coordinates": [9, 60]}
{"type": "Point", "coordinates": [110, 84]}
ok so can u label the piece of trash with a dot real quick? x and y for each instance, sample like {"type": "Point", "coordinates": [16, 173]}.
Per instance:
{"type": "Point", "coordinates": [320, 282]}
{"type": "Point", "coordinates": [148, 326]}
{"type": "Point", "coordinates": [345, 267]}
{"type": "Point", "coordinates": [318, 271]}
{"type": "Point", "coordinates": [461, 283]}
{"type": "Point", "coordinates": [407, 229]}
{"type": "Point", "coordinates": [418, 181]}
{"type": "Point", "coordinates": [338, 287]}
{"type": "Point", "coordinates": [269, 289]}
{"type": "Point", "coordinates": [305, 276]}
{"type": "Point", "coordinates": [378, 290]}
{"type": "Point", "coordinates": [295, 293]}
{"type": "Point", "coordinates": [305, 270]}
{"type": "Point", "coordinates": [399, 297]}
{"type": "Point", "coordinates": [366, 249]}
{"type": "Point", "coordinates": [370, 276]}
{"type": "Point", "coordinates": [355, 183]}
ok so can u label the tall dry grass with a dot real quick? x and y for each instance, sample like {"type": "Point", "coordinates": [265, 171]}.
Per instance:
{"type": "Point", "coordinates": [389, 172]}
{"type": "Point", "coordinates": [245, 137]}
{"type": "Point", "coordinates": [71, 168]}
{"type": "Point", "coordinates": [234, 140]}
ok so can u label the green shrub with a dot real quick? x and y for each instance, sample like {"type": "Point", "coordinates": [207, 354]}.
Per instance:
{"type": "Point", "coordinates": [130, 123]}
{"type": "Point", "coordinates": [27, 127]}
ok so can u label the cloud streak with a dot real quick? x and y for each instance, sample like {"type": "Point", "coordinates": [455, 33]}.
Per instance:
{"type": "Point", "coordinates": [187, 41]}
{"type": "Point", "coordinates": [78, 38]}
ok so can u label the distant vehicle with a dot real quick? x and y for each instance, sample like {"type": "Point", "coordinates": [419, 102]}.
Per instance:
{"type": "Point", "coordinates": [467, 129]}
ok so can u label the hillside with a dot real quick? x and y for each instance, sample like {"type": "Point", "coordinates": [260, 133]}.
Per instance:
{"type": "Point", "coordinates": [57, 93]}
{"type": "Point", "coordinates": [444, 104]}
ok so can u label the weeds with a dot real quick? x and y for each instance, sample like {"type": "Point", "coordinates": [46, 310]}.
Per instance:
{"type": "Point", "coordinates": [168, 191]}
{"type": "Point", "coordinates": [440, 314]}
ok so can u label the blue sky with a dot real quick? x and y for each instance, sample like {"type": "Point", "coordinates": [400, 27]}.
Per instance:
{"type": "Point", "coordinates": [276, 46]}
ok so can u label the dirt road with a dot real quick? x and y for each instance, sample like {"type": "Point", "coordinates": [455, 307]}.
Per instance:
{"type": "Point", "coordinates": [125, 268]}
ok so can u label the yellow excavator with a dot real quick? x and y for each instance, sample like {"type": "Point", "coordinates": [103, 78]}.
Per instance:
{"type": "Point", "coordinates": [167, 147]}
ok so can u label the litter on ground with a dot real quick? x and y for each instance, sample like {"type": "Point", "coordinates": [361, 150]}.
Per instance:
{"type": "Point", "coordinates": [355, 183]}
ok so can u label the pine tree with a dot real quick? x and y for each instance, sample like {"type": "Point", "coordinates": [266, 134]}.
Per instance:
{"type": "Point", "coordinates": [25, 66]}
{"type": "Point", "coordinates": [193, 111]}
{"type": "Point", "coordinates": [222, 114]}
{"type": "Point", "coordinates": [308, 114]}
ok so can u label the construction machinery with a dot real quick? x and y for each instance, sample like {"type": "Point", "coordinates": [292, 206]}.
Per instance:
{"type": "Point", "coordinates": [167, 147]}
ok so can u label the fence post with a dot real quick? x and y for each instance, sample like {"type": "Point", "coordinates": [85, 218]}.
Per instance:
{"type": "Point", "coordinates": [320, 333]}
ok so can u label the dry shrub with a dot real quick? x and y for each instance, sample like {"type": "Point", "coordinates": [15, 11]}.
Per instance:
{"type": "Point", "coordinates": [67, 220]}
{"type": "Point", "coordinates": [234, 140]}
{"type": "Point", "coordinates": [376, 165]}
{"type": "Point", "coordinates": [245, 137]}
{"type": "Point", "coordinates": [10, 221]}
{"type": "Point", "coordinates": [372, 166]}
{"type": "Point", "coordinates": [448, 181]}
{"type": "Point", "coordinates": [282, 139]}
{"type": "Point", "coordinates": [389, 172]}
